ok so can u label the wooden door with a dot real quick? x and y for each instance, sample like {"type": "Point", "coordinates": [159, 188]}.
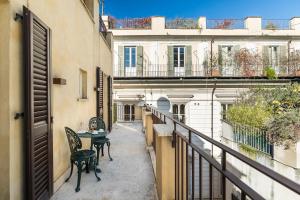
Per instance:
{"type": "Point", "coordinates": [38, 128]}
{"type": "Point", "coordinates": [99, 91]}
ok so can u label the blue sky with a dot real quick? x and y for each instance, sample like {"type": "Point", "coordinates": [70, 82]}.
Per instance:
{"type": "Point", "coordinates": [213, 9]}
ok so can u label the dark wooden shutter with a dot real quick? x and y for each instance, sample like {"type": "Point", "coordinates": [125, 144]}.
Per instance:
{"type": "Point", "coordinates": [37, 61]}
{"type": "Point", "coordinates": [109, 103]}
{"type": "Point", "coordinates": [99, 96]}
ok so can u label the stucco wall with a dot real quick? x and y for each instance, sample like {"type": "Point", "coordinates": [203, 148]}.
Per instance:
{"type": "Point", "coordinates": [4, 99]}
{"type": "Point", "coordinates": [76, 44]}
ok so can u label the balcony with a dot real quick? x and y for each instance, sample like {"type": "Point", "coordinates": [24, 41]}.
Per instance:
{"type": "Point", "coordinates": [163, 71]}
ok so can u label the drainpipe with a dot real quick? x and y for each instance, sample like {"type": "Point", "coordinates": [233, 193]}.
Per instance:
{"type": "Point", "coordinates": [212, 115]}
{"type": "Point", "coordinates": [289, 50]}
{"type": "Point", "coordinates": [211, 55]}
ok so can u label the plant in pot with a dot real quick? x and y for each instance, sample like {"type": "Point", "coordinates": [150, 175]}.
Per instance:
{"type": "Point", "coordinates": [270, 73]}
{"type": "Point", "coordinates": [248, 61]}
{"type": "Point", "coordinates": [211, 64]}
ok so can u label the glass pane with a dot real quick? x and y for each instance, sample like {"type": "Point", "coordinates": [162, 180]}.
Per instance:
{"type": "Point", "coordinates": [133, 57]}
{"type": "Point", "coordinates": [127, 57]}
{"type": "Point", "coordinates": [175, 57]}
{"type": "Point", "coordinates": [181, 57]}
{"type": "Point", "coordinates": [175, 109]}
{"type": "Point", "coordinates": [182, 109]}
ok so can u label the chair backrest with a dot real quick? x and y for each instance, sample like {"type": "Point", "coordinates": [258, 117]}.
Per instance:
{"type": "Point", "coordinates": [73, 139]}
{"type": "Point", "coordinates": [96, 123]}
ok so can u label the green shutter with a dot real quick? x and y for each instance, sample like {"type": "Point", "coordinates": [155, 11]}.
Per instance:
{"type": "Point", "coordinates": [220, 57]}
{"type": "Point", "coordinates": [283, 53]}
{"type": "Point", "coordinates": [139, 62]}
{"type": "Point", "coordinates": [170, 60]}
{"type": "Point", "coordinates": [188, 60]}
{"type": "Point", "coordinates": [121, 61]}
{"type": "Point", "coordinates": [265, 55]}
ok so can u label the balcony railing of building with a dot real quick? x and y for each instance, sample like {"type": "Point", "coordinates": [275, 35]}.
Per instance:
{"type": "Point", "coordinates": [163, 70]}
{"type": "Point", "coordinates": [252, 137]}
{"type": "Point", "coordinates": [225, 24]}
{"type": "Point", "coordinates": [190, 159]}
{"type": "Point", "coordinates": [276, 24]}
{"type": "Point", "coordinates": [182, 23]}
{"type": "Point", "coordinates": [129, 23]}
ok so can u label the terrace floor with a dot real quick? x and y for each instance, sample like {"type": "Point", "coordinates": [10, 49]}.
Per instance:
{"type": "Point", "coordinates": [129, 176]}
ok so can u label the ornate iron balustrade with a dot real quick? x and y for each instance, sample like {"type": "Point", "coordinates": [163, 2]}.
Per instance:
{"type": "Point", "coordinates": [182, 23]}
{"type": "Point", "coordinates": [129, 23]}
{"type": "Point", "coordinates": [276, 24]}
{"type": "Point", "coordinates": [225, 24]}
{"type": "Point", "coordinates": [184, 142]}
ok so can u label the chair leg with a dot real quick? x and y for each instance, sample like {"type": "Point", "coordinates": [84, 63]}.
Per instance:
{"type": "Point", "coordinates": [95, 169]}
{"type": "Point", "coordinates": [108, 149]}
{"type": "Point", "coordinates": [87, 166]}
{"type": "Point", "coordinates": [98, 151]}
{"type": "Point", "coordinates": [70, 172]}
{"type": "Point", "coordinates": [79, 166]}
{"type": "Point", "coordinates": [102, 150]}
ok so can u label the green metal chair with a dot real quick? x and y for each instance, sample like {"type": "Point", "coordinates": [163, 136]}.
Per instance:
{"type": "Point", "coordinates": [97, 123]}
{"type": "Point", "coordinates": [81, 158]}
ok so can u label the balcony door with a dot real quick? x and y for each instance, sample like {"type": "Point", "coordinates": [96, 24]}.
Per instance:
{"type": "Point", "coordinates": [130, 58]}
{"type": "Point", "coordinates": [179, 61]}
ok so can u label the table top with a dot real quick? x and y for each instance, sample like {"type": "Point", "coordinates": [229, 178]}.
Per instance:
{"type": "Point", "coordinates": [89, 134]}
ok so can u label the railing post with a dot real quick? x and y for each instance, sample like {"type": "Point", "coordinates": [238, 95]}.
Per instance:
{"type": "Point", "coordinates": [223, 163]}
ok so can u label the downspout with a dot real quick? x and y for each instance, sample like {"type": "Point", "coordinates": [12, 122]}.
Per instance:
{"type": "Point", "coordinates": [212, 116]}
{"type": "Point", "coordinates": [289, 50]}
{"type": "Point", "coordinates": [211, 56]}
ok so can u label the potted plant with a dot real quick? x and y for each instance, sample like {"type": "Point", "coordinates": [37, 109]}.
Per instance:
{"type": "Point", "coordinates": [270, 73]}
{"type": "Point", "coordinates": [248, 61]}
{"type": "Point", "coordinates": [211, 64]}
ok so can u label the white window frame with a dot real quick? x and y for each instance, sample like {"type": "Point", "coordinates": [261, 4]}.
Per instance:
{"type": "Point", "coordinates": [130, 56]}
{"type": "Point", "coordinates": [178, 54]}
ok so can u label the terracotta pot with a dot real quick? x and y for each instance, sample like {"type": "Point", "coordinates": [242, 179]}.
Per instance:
{"type": "Point", "coordinates": [216, 72]}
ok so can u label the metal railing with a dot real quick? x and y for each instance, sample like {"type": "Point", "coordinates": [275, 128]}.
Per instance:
{"type": "Point", "coordinates": [129, 23]}
{"type": "Point", "coordinates": [102, 27]}
{"type": "Point", "coordinates": [225, 24]}
{"type": "Point", "coordinates": [185, 146]}
{"type": "Point", "coordinates": [276, 24]}
{"type": "Point", "coordinates": [252, 137]}
{"type": "Point", "coordinates": [182, 23]}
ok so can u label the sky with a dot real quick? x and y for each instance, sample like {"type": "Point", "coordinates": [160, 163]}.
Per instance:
{"type": "Point", "coordinates": [212, 9]}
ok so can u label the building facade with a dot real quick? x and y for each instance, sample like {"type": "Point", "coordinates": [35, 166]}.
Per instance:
{"type": "Point", "coordinates": [50, 52]}
{"type": "Point", "coordinates": [183, 65]}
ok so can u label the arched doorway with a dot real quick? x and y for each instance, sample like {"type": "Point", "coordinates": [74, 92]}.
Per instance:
{"type": "Point", "coordinates": [163, 104]}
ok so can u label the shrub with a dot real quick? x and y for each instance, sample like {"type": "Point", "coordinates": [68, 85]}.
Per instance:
{"type": "Point", "coordinates": [270, 73]}
{"type": "Point", "coordinates": [284, 129]}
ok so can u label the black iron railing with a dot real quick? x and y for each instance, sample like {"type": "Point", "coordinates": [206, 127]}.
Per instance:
{"type": "Point", "coordinates": [225, 24]}
{"type": "Point", "coordinates": [130, 23]}
{"type": "Point", "coordinates": [185, 143]}
{"type": "Point", "coordinates": [182, 23]}
{"type": "Point", "coordinates": [276, 24]}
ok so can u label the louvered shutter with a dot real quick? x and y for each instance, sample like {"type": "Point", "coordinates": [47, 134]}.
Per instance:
{"type": "Point", "coordinates": [37, 61]}
{"type": "Point", "coordinates": [109, 89]}
{"type": "Point", "coordinates": [170, 61]}
{"type": "Point", "coordinates": [99, 93]}
{"type": "Point", "coordinates": [121, 67]}
{"type": "Point", "coordinates": [188, 60]}
{"type": "Point", "coordinates": [220, 56]}
{"type": "Point", "coordinates": [139, 64]}
{"type": "Point", "coordinates": [266, 57]}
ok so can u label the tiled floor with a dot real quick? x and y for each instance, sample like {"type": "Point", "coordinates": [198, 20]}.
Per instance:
{"type": "Point", "coordinates": [128, 176]}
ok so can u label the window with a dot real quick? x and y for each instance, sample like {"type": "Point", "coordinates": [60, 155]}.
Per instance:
{"type": "Point", "coordinates": [273, 55]}
{"type": "Point", "coordinates": [227, 55]}
{"type": "Point", "coordinates": [179, 56]}
{"type": "Point", "coordinates": [82, 84]}
{"type": "Point", "coordinates": [130, 57]}
{"type": "Point", "coordinates": [224, 108]}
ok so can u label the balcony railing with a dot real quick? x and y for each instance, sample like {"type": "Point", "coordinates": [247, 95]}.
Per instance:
{"type": "Point", "coordinates": [225, 24]}
{"type": "Point", "coordinates": [192, 158]}
{"type": "Point", "coordinates": [129, 23]}
{"type": "Point", "coordinates": [275, 24]}
{"type": "Point", "coordinates": [182, 23]}
{"type": "Point", "coordinates": [162, 70]}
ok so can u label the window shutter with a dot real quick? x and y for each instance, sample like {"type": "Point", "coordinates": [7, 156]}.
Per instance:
{"type": "Point", "coordinates": [99, 94]}
{"type": "Point", "coordinates": [220, 56]}
{"type": "Point", "coordinates": [139, 63]}
{"type": "Point", "coordinates": [121, 68]}
{"type": "Point", "coordinates": [265, 55]}
{"type": "Point", "coordinates": [188, 60]}
{"type": "Point", "coordinates": [170, 60]}
{"type": "Point", "coordinates": [283, 53]}
{"type": "Point", "coordinates": [38, 128]}
{"type": "Point", "coordinates": [236, 49]}
{"type": "Point", "coordinates": [109, 89]}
